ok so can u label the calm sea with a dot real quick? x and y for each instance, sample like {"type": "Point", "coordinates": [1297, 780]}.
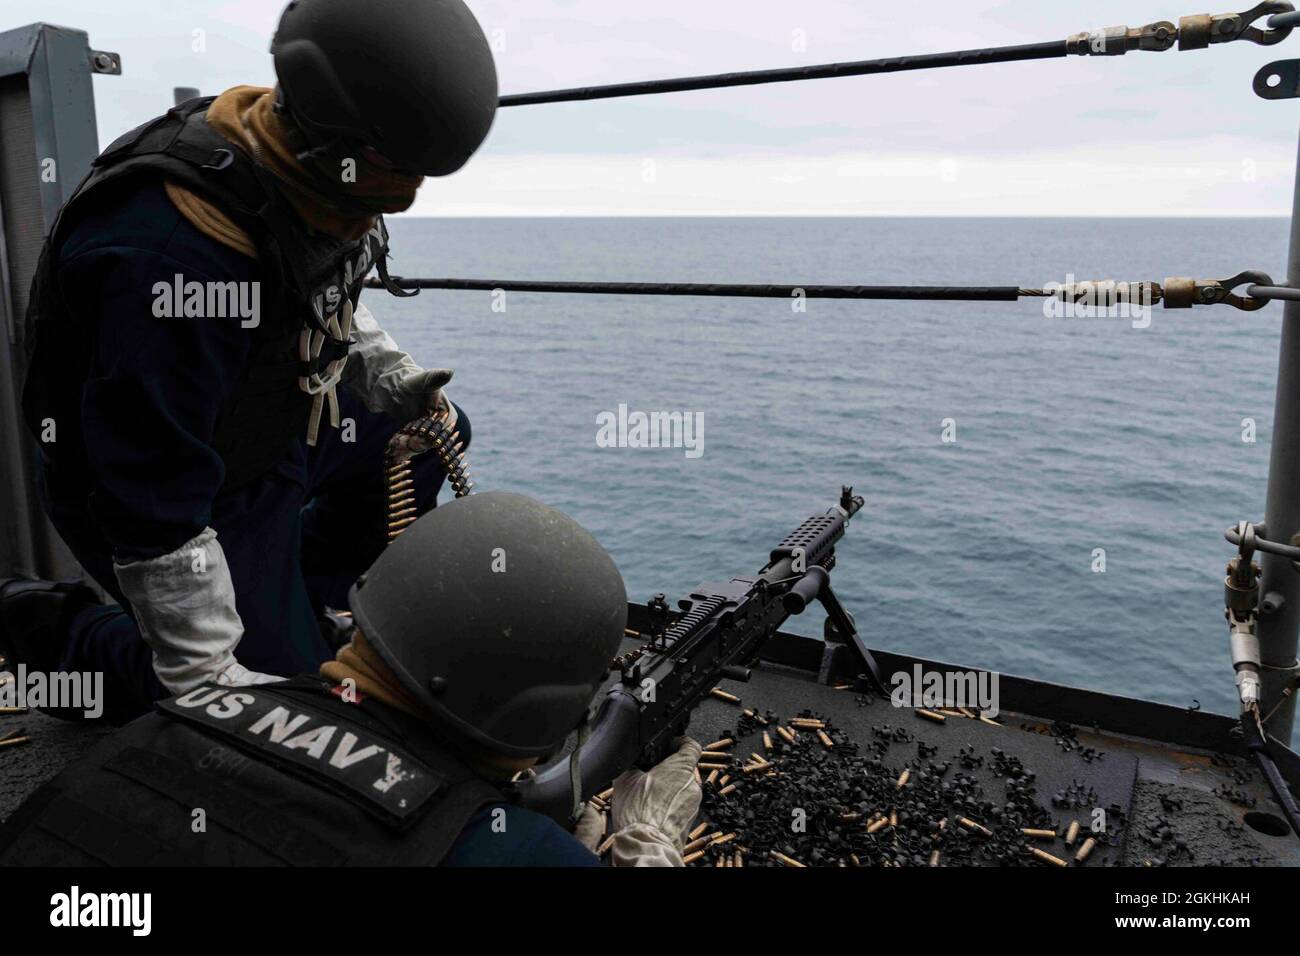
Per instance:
{"type": "Point", "coordinates": [1072, 435]}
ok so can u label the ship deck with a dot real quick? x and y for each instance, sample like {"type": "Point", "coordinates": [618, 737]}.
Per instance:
{"type": "Point", "coordinates": [1176, 785]}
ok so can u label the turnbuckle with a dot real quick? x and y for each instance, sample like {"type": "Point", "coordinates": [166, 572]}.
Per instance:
{"type": "Point", "coordinates": [1198, 32]}
{"type": "Point", "coordinates": [1173, 293]}
{"type": "Point", "coordinates": [1192, 33]}
{"type": "Point", "coordinates": [1183, 293]}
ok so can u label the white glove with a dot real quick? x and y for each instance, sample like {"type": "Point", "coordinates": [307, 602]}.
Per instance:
{"type": "Point", "coordinates": [387, 379]}
{"type": "Point", "coordinates": [652, 811]}
{"type": "Point", "coordinates": [184, 603]}
{"type": "Point", "coordinates": [590, 830]}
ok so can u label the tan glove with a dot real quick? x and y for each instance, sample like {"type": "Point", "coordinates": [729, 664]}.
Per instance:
{"type": "Point", "coordinates": [652, 811]}
{"type": "Point", "coordinates": [422, 394]}
{"type": "Point", "coordinates": [590, 830]}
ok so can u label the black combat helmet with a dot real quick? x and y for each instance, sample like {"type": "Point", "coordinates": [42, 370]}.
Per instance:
{"type": "Point", "coordinates": [411, 79]}
{"type": "Point", "coordinates": [500, 615]}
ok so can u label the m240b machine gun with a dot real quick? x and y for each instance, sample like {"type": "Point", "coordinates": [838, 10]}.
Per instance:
{"type": "Point", "coordinates": [719, 635]}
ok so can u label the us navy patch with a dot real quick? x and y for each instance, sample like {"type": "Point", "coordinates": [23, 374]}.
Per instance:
{"type": "Point", "coordinates": [362, 766]}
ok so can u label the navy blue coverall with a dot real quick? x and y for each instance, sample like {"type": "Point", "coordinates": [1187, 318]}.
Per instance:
{"type": "Point", "coordinates": [146, 480]}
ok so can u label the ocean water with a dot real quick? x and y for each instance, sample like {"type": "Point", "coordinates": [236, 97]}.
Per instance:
{"type": "Point", "coordinates": [1071, 434]}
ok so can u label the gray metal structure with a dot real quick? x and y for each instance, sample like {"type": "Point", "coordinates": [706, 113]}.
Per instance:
{"type": "Point", "coordinates": [1279, 618]}
{"type": "Point", "coordinates": [48, 139]}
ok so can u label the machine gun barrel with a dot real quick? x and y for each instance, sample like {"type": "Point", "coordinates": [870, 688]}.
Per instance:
{"type": "Point", "coordinates": [721, 632]}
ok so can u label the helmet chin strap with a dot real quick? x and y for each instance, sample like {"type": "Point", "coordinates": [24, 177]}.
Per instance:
{"type": "Point", "coordinates": [575, 772]}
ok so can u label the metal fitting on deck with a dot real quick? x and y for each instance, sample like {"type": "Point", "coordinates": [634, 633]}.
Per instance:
{"type": "Point", "coordinates": [1241, 602]}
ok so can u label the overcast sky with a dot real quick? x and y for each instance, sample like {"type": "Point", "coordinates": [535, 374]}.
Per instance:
{"type": "Point", "coordinates": [1144, 134]}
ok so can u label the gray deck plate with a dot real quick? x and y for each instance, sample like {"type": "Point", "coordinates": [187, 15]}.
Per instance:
{"type": "Point", "coordinates": [786, 692]}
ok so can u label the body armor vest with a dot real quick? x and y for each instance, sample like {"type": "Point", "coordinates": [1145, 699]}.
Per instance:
{"type": "Point", "coordinates": [284, 774]}
{"type": "Point", "coordinates": [312, 280]}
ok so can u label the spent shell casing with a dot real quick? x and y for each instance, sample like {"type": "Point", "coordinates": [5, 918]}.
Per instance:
{"type": "Point", "coordinates": [1086, 850]}
{"type": "Point", "coordinates": [1046, 857]}
{"type": "Point", "coordinates": [1072, 833]}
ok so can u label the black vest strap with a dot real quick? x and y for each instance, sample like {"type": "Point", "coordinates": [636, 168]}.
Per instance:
{"type": "Point", "coordinates": [310, 276]}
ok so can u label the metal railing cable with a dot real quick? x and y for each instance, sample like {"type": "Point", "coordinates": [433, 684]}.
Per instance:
{"type": "Point", "coordinates": [1191, 33]}
{"type": "Point", "coordinates": [1173, 293]}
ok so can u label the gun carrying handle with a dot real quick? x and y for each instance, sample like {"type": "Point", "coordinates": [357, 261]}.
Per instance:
{"type": "Point", "coordinates": [612, 747]}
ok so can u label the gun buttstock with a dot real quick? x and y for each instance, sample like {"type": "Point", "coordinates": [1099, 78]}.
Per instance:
{"type": "Point", "coordinates": [613, 747]}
